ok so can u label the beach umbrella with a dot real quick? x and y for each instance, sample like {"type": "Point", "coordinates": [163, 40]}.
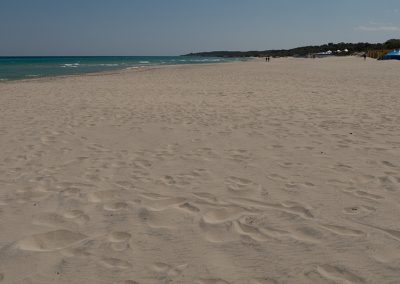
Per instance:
{"type": "Point", "coordinates": [395, 54]}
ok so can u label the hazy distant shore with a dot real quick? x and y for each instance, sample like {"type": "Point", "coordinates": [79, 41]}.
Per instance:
{"type": "Point", "coordinates": [246, 172]}
{"type": "Point", "coordinates": [375, 50]}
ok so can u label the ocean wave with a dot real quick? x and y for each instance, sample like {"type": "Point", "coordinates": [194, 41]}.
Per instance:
{"type": "Point", "coordinates": [109, 64]}
{"type": "Point", "coordinates": [34, 68]}
{"type": "Point", "coordinates": [70, 65]}
{"type": "Point", "coordinates": [206, 60]}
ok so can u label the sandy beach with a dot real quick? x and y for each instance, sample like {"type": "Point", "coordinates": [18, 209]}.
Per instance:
{"type": "Point", "coordinates": [244, 172]}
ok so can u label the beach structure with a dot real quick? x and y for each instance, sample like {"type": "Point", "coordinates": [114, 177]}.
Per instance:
{"type": "Point", "coordinates": [323, 54]}
{"type": "Point", "coordinates": [395, 54]}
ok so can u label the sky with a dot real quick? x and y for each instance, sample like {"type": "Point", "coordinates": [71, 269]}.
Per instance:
{"type": "Point", "coordinates": [175, 27]}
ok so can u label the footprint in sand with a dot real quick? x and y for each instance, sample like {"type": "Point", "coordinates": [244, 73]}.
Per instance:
{"type": "Point", "coordinates": [223, 214]}
{"type": "Point", "coordinates": [189, 207]}
{"type": "Point", "coordinates": [69, 220]}
{"type": "Point", "coordinates": [168, 218]}
{"type": "Point", "coordinates": [119, 241]}
{"type": "Point", "coordinates": [71, 192]}
{"type": "Point", "coordinates": [158, 202]}
{"type": "Point", "coordinates": [77, 216]}
{"type": "Point", "coordinates": [276, 177]}
{"type": "Point", "coordinates": [219, 233]}
{"type": "Point", "coordinates": [392, 233]}
{"type": "Point", "coordinates": [206, 197]}
{"type": "Point", "coordinates": [288, 207]}
{"type": "Point", "coordinates": [268, 232]}
{"type": "Point", "coordinates": [168, 180]}
{"type": "Point", "coordinates": [51, 220]}
{"type": "Point", "coordinates": [250, 231]}
{"type": "Point", "coordinates": [241, 185]}
{"type": "Point", "coordinates": [355, 210]}
{"type": "Point", "coordinates": [239, 155]}
{"type": "Point", "coordinates": [387, 183]}
{"type": "Point", "coordinates": [102, 196]}
{"type": "Point", "coordinates": [75, 252]}
{"type": "Point", "coordinates": [389, 164]}
{"type": "Point", "coordinates": [306, 234]}
{"type": "Point", "coordinates": [115, 263]}
{"type": "Point", "coordinates": [29, 195]}
{"type": "Point", "coordinates": [119, 237]}
{"type": "Point", "coordinates": [50, 241]}
{"type": "Point", "coordinates": [116, 206]}
{"type": "Point", "coordinates": [236, 227]}
{"type": "Point", "coordinates": [343, 231]}
{"type": "Point", "coordinates": [125, 184]}
{"type": "Point", "coordinates": [205, 154]}
{"type": "Point", "coordinates": [142, 164]}
{"type": "Point", "coordinates": [212, 281]}
{"type": "Point", "coordinates": [168, 270]}
{"type": "Point", "coordinates": [338, 274]}
{"type": "Point", "coordinates": [263, 281]}
{"type": "Point", "coordinates": [367, 195]}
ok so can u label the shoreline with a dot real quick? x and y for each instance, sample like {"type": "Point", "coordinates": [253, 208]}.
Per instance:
{"type": "Point", "coordinates": [106, 72]}
{"type": "Point", "coordinates": [154, 67]}
{"type": "Point", "coordinates": [99, 73]}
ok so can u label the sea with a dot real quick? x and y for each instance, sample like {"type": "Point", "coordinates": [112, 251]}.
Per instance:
{"type": "Point", "coordinates": [17, 68]}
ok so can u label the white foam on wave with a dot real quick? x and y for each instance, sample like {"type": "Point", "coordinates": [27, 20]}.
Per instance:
{"type": "Point", "coordinates": [207, 60]}
{"type": "Point", "coordinates": [144, 62]}
{"type": "Point", "coordinates": [32, 75]}
{"type": "Point", "coordinates": [70, 65]}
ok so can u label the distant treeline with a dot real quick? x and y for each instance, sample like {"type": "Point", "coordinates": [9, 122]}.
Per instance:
{"type": "Point", "coordinates": [307, 50]}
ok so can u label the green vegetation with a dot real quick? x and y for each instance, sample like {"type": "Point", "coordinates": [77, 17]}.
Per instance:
{"type": "Point", "coordinates": [308, 50]}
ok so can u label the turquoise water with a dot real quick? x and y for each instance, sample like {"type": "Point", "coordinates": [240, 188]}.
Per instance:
{"type": "Point", "coordinates": [15, 68]}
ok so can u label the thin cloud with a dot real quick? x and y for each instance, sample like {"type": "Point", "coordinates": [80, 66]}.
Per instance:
{"type": "Point", "coordinates": [376, 28]}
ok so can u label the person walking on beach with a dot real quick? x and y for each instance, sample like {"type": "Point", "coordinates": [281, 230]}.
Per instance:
{"type": "Point", "coordinates": [365, 56]}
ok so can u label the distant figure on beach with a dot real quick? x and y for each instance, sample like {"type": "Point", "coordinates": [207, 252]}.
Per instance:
{"type": "Point", "coordinates": [365, 56]}
{"type": "Point", "coordinates": [267, 58]}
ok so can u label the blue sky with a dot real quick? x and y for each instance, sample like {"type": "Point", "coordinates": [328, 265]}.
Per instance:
{"type": "Point", "coordinates": [174, 27]}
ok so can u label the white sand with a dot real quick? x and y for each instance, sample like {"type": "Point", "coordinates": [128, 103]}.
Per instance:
{"type": "Point", "coordinates": [287, 172]}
